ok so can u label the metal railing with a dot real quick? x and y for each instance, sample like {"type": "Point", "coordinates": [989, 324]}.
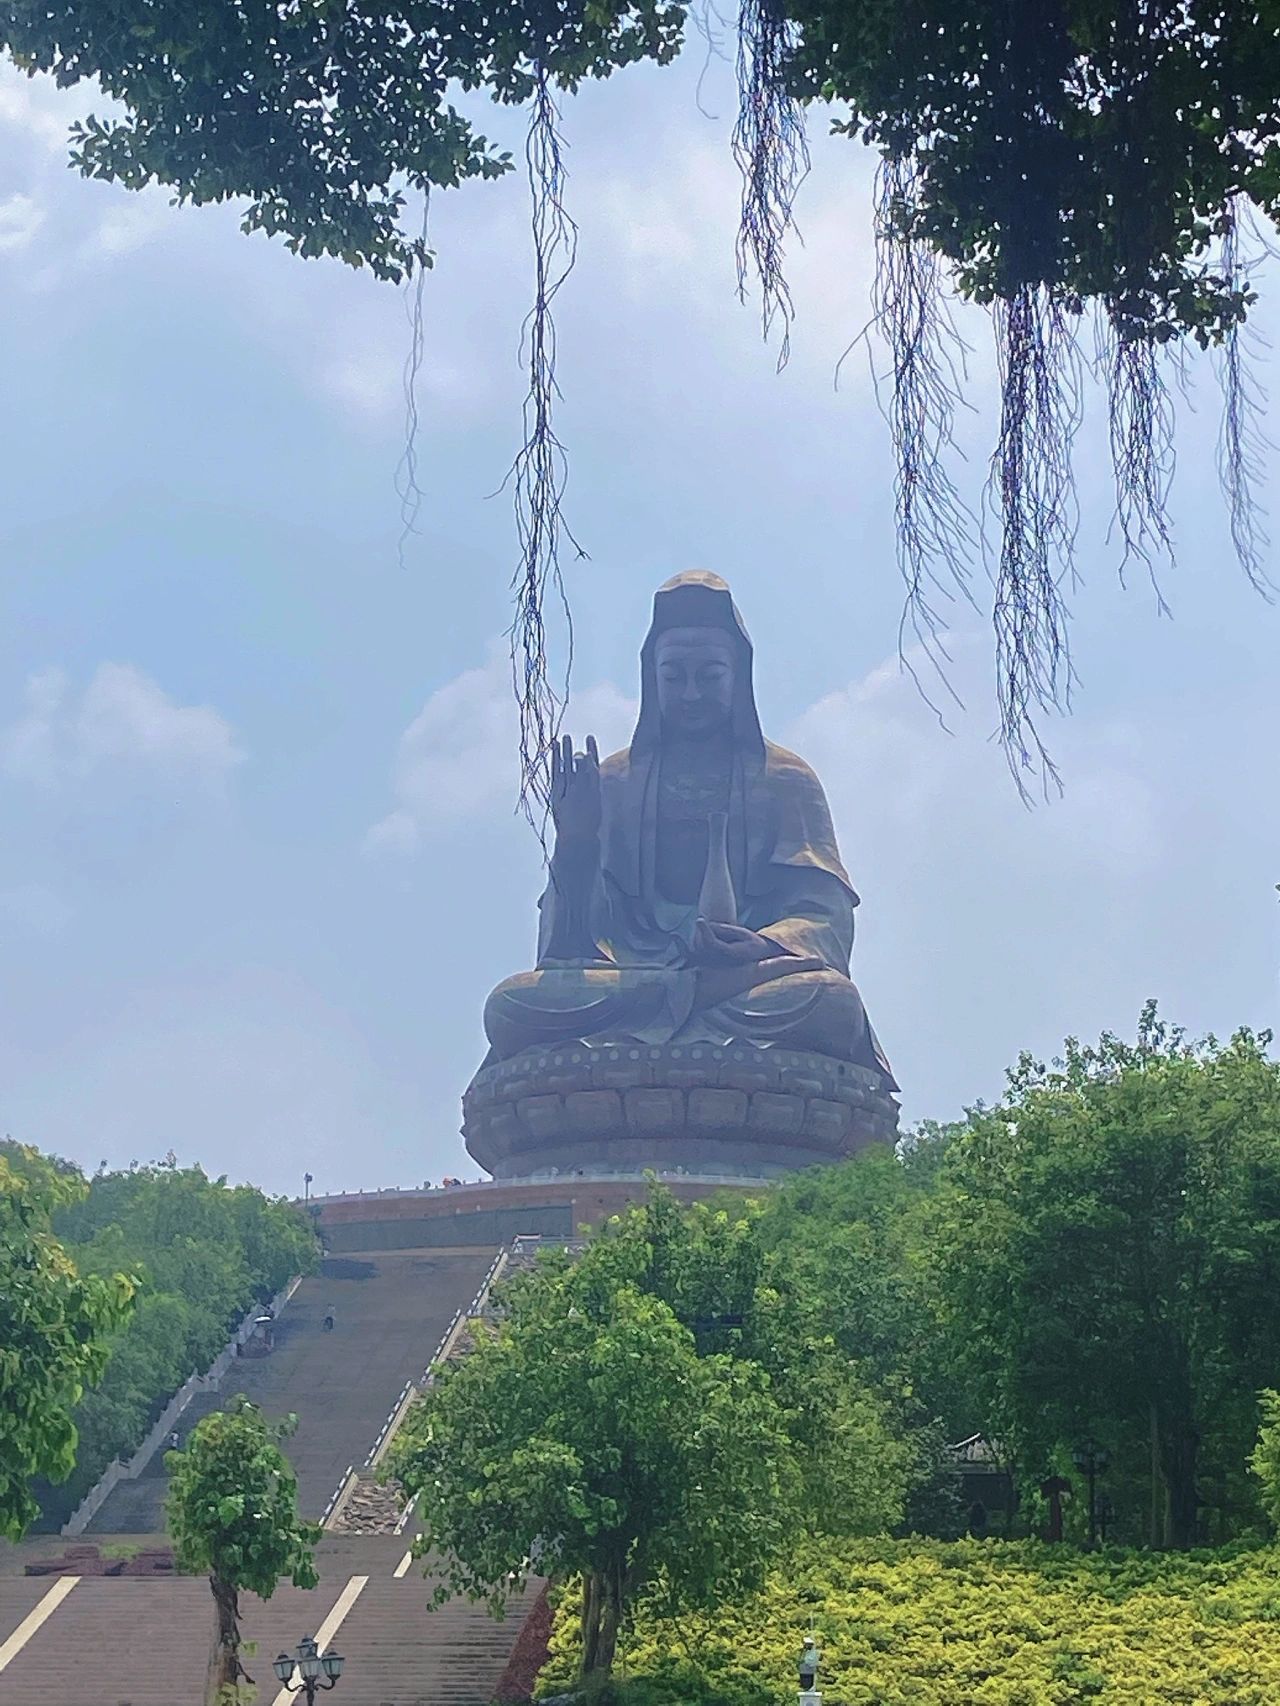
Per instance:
{"type": "Point", "coordinates": [162, 1427]}
{"type": "Point", "coordinates": [412, 1388]}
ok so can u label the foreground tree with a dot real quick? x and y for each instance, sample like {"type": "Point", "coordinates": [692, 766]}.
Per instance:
{"type": "Point", "coordinates": [847, 1247]}
{"type": "Point", "coordinates": [744, 1289]}
{"type": "Point", "coordinates": [581, 1442]}
{"type": "Point", "coordinates": [1038, 160]}
{"type": "Point", "coordinates": [1105, 1251]}
{"type": "Point", "coordinates": [655, 1418]}
{"type": "Point", "coordinates": [233, 1511]}
{"type": "Point", "coordinates": [55, 1327]}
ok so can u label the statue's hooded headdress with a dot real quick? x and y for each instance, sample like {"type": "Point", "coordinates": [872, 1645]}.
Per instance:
{"type": "Point", "coordinates": [778, 815]}
{"type": "Point", "coordinates": [697, 599]}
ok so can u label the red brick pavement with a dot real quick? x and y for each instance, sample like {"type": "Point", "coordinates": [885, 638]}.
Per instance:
{"type": "Point", "coordinates": [120, 1641]}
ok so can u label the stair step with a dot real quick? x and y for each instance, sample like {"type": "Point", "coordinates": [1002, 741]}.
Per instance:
{"type": "Point", "coordinates": [391, 1309]}
{"type": "Point", "coordinates": [144, 1641]}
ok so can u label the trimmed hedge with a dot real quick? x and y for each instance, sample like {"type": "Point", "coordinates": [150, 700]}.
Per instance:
{"type": "Point", "coordinates": [971, 1623]}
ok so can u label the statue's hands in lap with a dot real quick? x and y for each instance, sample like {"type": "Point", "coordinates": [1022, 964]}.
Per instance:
{"type": "Point", "coordinates": [728, 945]}
{"type": "Point", "coordinates": [575, 797]}
{"type": "Point", "coordinates": [730, 959]}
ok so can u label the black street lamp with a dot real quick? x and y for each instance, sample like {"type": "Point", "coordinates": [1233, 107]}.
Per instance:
{"type": "Point", "coordinates": [315, 1670]}
{"type": "Point", "coordinates": [1091, 1460]}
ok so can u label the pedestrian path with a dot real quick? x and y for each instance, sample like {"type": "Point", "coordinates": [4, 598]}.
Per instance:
{"type": "Point", "coordinates": [144, 1641]}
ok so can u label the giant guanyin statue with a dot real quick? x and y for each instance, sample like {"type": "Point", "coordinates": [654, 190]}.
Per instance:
{"type": "Point", "coordinates": [696, 895]}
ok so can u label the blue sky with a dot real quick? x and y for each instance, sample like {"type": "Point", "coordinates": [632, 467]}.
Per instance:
{"type": "Point", "coordinates": [259, 864]}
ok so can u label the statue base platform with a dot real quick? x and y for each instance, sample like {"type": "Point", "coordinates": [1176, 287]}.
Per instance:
{"type": "Point", "coordinates": [736, 1110]}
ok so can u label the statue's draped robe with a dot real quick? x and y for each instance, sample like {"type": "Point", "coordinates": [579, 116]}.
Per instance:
{"type": "Point", "coordinates": [790, 885]}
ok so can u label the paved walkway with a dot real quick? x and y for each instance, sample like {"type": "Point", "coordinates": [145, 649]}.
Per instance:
{"type": "Point", "coordinates": [144, 1641]}
{"type": "Point", "coordinates": [120, 1641]}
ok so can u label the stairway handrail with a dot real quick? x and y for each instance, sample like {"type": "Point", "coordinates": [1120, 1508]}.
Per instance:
{"type": "Point", "coordinates": [162, 1427]}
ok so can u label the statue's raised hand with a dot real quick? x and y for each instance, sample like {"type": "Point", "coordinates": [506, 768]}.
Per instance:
{"type": "Point", "coordinates": [575, 795]}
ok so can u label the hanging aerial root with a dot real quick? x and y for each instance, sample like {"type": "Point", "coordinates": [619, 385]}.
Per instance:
{"type": "Point", "coordinates": [712, 26]}
{"type": "Point", "coordinates": [1032, 489]}
{"type": "Point", "coordinates": [1142, 424]}
{"type": "Point", "coordinates": [772, 155]}
{"type": "Point", "coordinates": [935, 529]}
{"type": "Point", "coordinates": [1242, 443]}
{"type": "Point", "coordinates": [539, 471]}
{"type": "Point", "coordinates": [408, 489]}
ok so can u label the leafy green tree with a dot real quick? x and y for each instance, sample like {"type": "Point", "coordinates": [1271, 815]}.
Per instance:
{"type": "Point", "coordinates": [1105, 1255]}
{"type": "Point", "coordinates": [55, 1327]}
{"type": "Point", "coordinates": [1038, 160]}
{"type": "Point", "coordinates": [586, 1437]}
{"type": "Point", "coordinates": [845, 1248]}
{"type": "Point", "coordinates": [655, 1416]}
{"type": "Point", "coordinates": [204, 1254]}
{"type": "Point", "coordinates": [233, 1511]}
{"type": "Point", "coordinates": [718, 1271]}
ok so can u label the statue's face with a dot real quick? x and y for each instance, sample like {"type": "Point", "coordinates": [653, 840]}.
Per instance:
{"type": "Point", "coordinates": [695, 681]}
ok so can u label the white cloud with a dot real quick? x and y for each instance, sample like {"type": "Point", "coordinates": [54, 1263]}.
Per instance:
{"type": "Point", "coordinates": [20, 218]}
{"type": "Point", "coordinates": [353, 341]}
{"type": "Point", "coordinates": [129, 224]}
{"type": "Point", "coordinates": [667, 220]}
{"type": "Point", "coordinates": [122, 718]}
{"type": "Point", "coordinates": [36, 106]}
{"type": "Point", "coordinates": [895, 773]}
{"type": "Point", "coordinates": [457, 759]}
{"type": "Point", "coordinates": [370, 382]}
{"type": "Point", "coordinates": [987, 927]}
{"type": "Point", "coordinates": [669, 217]}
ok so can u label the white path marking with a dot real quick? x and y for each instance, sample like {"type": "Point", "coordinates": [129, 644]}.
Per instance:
{"type": "Point", "coordinates": [35, 1619]}
{"type": "Point", "coordinates": [402, 1568]}
{"type": "Point", "coordinates": [329, 1628]}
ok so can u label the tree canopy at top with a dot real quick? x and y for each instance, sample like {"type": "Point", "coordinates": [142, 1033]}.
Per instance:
{"type": "Point", "coordinates": [1039, 159]}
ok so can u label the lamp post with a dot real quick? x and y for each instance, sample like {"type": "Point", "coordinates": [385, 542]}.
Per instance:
{"type": "Point", "coordinates": [315, 1670]}
{"type": "Point", "coordinates": [808, 1669]}
{"type": "Point", "coordinates": [1091, 1460]}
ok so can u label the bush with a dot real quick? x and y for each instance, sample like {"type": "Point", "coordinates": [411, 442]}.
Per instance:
{"type": "Point", "coordinates": [984, 1623]}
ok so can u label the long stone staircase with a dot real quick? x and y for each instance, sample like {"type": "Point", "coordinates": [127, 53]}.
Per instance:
{"type": "Point", "coordinates": [390, 1309]}
{"type": "Point", "coordinates": [143, 1641]}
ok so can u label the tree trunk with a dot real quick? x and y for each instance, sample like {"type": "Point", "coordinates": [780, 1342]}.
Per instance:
{"type": "Point", "coordinates": [610, 1623]}
{"type": "Point", "coordinates": [601, 1621]}
{"type": "Point", "coordinates": [225, 1669]}
{"type": "Point", "coordinates": [1178, 1449]}
{"type": "Point", "coordinates": [1156, 1533]}
{"type": "Point", "coordinates": [591, 1603]}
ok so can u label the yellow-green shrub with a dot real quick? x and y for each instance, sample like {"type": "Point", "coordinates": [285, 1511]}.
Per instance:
{"type": "Point", "coordinates": [990, 1623]}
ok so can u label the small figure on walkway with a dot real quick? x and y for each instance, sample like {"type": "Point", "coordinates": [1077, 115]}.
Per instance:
{"type": "Point", "coordinates": [174, 1441]}
{"type": "Point", "coordinates": [329, 1319]}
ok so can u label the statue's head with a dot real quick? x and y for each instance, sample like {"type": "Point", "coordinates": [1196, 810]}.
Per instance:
{"type": "Point", "coordinates": [695, 667]}
{"type": "Point", "coordinates": [695, 681]}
